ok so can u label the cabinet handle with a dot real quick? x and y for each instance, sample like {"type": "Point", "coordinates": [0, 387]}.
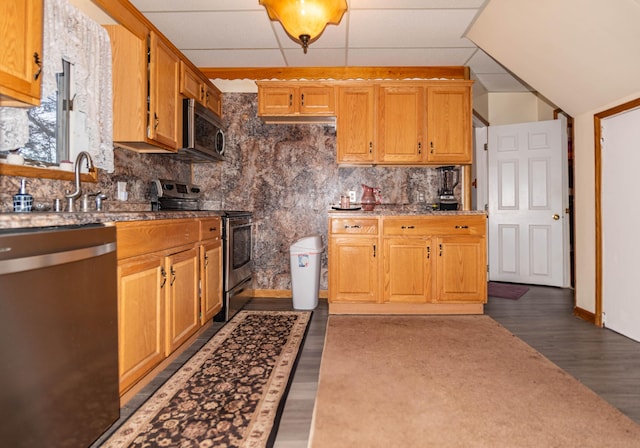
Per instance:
{"type": "Point", "coordinates": [156, 121]}
{"type": "Point", "coordinates": [212, 229]}
{"type": "Point", "coordinates": [374, 251]}
{"type": "Point", "coordinates": [290, 100]}
{"type": "Point", "coordinates": [419, 147]}
{"type": "Point", "coordinates": [206, 260]}
{"type": "Point", "coordinates": [408, 227]}
{"type": "Point", "coordinates": [441, 250]}
{"type": "Point", "coordinates": [302, 98]}
{"type": "Point", "coordinates": [352, 227]}
{"type": "Point", "coordinates": [428, 252]}
{"type": "Point", "coordinates": [38, 62]}
{"type": "Point", "coordinates": [431, 144]}
{"type": "Point", "coordinates": [173, 276]}
{"type": "Point", "coordinates": [461, 227]}
{"type": "Point", "coordinates": [163, 273]}
{"type": "Point", "coordinates": [370, 147]}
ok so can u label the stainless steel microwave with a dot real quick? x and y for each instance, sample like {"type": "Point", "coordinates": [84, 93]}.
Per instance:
{"type": "Point", "coordinates": [203, 137]}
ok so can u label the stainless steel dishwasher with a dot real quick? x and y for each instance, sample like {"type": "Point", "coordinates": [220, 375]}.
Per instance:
{"type": "Point", "coordinates": [58, 335]}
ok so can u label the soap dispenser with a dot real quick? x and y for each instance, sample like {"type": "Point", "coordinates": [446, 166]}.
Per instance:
{"type": "Point", "coordinates": [22, 201]}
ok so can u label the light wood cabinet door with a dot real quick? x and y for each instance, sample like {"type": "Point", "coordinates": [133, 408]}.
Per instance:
{"type": "Point", "coordinates": [191, 86]}
{"type": "Point", "coordinates": [213, 99]}
{"type": "Point", "coordinates": [353, 269]}
{"type": "Point", "coordinates": [141, 324]}
{"type": "Point", "coordinates": [461, 271]}
{"type": "Point", "coordinates": [164, 72]}
{"type": "Point", "coordinates": [291, 99]}
{"type": "Point", "coordinates": [210, 279]}
{"type": "Point", "coordinates": [20, 52]}
{"type": "Point", "coordinates": [355, 124]}
{"type": "Point", "coordinates": [182, 298]}
{"type": "Point", "coordinates": [400, 124]}
{"type": "Point", "coordinates": [407, 270]}
{"type": "Point", "coordinates": [316, 100]}
{"type": "Point", "coordinates": [449, 125]}
{"type": "Point", "coordinates": [276, 100]}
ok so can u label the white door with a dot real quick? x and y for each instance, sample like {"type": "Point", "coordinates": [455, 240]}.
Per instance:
{"type": "Point", "coordinates": [620, 158]}
{"type": "Point", "coordinates": [528, 196]}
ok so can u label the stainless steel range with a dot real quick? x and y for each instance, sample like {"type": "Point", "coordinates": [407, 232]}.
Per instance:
{"type": "Point", "coordinates": [237, 240]}
{"type": "Point", "coordinates": [238, 263]}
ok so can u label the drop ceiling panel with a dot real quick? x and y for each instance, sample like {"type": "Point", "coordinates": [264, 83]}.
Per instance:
{"type": "Point", "coordinates": [236, 58]}
{"type": "Point", "coordinates": [408, 56]}
{"type": "Point", "coordinates": [409, 28]}
{"type": "Point", "coordinates": [197, 5]}
{"type": "Point", "coordinates": [414, 4]}
{"type": "Point", "coordinates": [501, 83]}
{"type": "Point", "coordinates": [201, 30]}
{"type": "Point", "coordinates": [315, 57]}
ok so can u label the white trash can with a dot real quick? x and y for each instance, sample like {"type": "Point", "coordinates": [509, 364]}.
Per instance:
{"type": "Point", "coordinates": [305, 271]}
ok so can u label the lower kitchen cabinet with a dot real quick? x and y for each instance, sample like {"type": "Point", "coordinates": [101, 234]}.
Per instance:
{"type": "Point", "coordinates": [407, 270]}
{"type": "Point", "coordinates": [161, 303]}
{"type": "Point", "coordinates": [461, 276]}
{"type": "Point", "coordinates": [182, 298]}
{"type": "Point", "coordinates": [354, 251]}
{"type": "Point", "coordinates": [141, 322]}
{"type": "Point", "coordinates": [426, 265]}
{"type": "Point", "coordinates": [210, 268]}
{"type": "Point", "coordinates": [353, 271]}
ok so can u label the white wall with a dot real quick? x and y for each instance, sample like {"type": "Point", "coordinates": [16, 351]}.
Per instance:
{"type": "Point", "coordinates": [520, 107]}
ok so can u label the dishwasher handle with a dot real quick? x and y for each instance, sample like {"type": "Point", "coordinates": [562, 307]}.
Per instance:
{"type": "Point", "coordinates": [12, 266]}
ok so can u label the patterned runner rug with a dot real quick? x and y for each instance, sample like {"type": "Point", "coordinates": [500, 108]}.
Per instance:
{"type": "Point", "coordinates": [229, 393]}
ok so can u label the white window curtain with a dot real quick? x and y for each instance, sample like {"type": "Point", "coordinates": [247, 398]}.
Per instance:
{"type": "Point", "coordinates": [71, 35]}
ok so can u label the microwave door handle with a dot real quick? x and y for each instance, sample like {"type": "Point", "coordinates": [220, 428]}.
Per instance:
{"type": "Point", "coordinates": [191, 125]}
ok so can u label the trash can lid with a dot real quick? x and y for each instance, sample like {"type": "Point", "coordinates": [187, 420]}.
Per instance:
{"type": "Point", "coordinates": [308, 243]}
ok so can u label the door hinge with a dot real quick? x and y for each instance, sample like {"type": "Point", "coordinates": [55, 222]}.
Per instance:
{"type": "Point", "coordinates": [486, 146]}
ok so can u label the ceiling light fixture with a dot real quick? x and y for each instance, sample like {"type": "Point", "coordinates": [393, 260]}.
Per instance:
{"type": "Point", "coordinates": [305, 20]}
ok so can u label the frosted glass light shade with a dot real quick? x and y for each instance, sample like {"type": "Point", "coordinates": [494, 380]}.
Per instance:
{"type": "Point", "coordinates": [305, 20]}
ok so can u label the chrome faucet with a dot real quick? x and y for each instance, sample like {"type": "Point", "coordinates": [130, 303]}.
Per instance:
{"type": "Point", "coordinates": [71, 197]}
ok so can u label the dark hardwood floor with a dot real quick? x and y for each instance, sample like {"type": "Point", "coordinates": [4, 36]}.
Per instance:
{"type": "Point", "coordinates": [603, 360]}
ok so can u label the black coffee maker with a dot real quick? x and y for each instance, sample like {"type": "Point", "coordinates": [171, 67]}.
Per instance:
{"type": "Point", "coordinates": [448, 177]}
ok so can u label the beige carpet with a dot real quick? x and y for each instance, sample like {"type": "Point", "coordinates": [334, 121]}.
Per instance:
{"type": "Point", "coordinates": [441, 381]}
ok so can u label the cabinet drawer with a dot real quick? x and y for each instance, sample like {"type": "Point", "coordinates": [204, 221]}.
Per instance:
{"type": "Point", "coordinates": [143, 237]}
{"type": "Point", "coordinates": [210, 228]}
{"type": "Point", "coordinates": [364, 226]}
{"type": "Point", "coordinates": [435, 225]}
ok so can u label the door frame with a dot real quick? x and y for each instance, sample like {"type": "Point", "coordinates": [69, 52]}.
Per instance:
{"type": "Point", "coordinates": [597, 123]}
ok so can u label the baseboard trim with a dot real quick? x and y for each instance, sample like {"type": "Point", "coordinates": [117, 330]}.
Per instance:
{"type": "Point", "coordinates": [283, 293]}
{"type": "Point", "coordinates": [406, 308]}
{"type": "Point", "coordinates": [584, 315]}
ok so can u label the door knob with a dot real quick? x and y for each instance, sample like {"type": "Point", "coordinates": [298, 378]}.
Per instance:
{"type": "Point", "coordinates": [556, 217]}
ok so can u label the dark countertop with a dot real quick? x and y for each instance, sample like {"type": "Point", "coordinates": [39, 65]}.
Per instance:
{"type": "Point", "coordinates": [403, 209]}
{"type": "Point", "coordinates": [47, 219]}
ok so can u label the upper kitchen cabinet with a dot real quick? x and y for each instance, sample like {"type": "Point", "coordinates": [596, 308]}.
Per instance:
{"type": "Point", "coordinates": [20, 52]}
{"type": "Point", "coordinates": [146, 107]}
{"type": "Point", "coordinates": [400, 123]}
{"type": "Point", "coordinates": [404, 123]}
{"type": "Point", "coordinates": [296, 102]}
{"type": "Point", "coordinates": [449, 124]}
{"type": "Point", "coordinates": [193, 85]}
{"type": "Point", "coordinates": [356, 123]}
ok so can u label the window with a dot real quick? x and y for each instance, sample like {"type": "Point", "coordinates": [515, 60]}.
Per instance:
{"type": "Point", "coordinates": [49, 123]}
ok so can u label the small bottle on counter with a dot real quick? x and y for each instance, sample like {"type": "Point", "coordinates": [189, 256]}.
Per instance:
{"type": "Point", "coordinates": [22, 201]}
